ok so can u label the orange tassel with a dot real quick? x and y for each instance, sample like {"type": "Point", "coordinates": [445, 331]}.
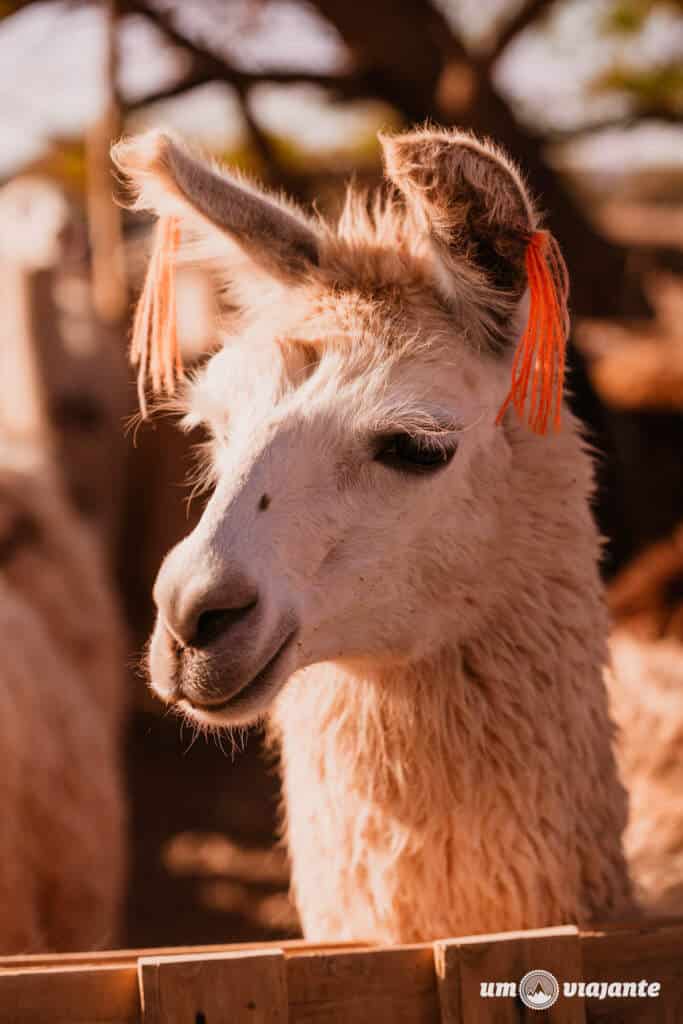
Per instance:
{"type": "Point", "coordinates": [154, 345]}
{"type": "Point", "coordinates": [540, 357]}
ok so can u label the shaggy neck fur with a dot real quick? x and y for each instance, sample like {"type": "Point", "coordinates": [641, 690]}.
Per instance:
{"type": "Point", "coordinates": [476, 790]}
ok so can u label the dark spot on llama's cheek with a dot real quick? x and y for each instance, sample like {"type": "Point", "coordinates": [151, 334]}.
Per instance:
{"type": "Point", "coordinates": [264, 502]}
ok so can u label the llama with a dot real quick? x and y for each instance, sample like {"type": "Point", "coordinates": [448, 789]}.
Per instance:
{"type": "Point", "coordinates": [62, 839]}
{"type": "Point", "coordinates": [645, 687]}
{"type": "Point", "coordinates": [393, 568]}
{"type": "Point", "coordinates": [62, 852]}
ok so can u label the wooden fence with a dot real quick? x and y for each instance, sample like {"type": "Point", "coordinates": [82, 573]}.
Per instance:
{"type": "Point", "coordinates": [298, 983]}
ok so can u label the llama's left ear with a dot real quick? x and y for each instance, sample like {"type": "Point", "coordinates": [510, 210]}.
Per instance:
{"type": "Point", "coordinates": [473, 205]}
{"type": "Point", "coordinates": [471, 200]}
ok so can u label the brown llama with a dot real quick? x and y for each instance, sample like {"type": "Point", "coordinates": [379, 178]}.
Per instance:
{"type": "Point", "coordinates": [392, 566]}
{"type": "Point", "coordinates": [63, 833]}
{"type": "Point", "coordinates": [62, 698]}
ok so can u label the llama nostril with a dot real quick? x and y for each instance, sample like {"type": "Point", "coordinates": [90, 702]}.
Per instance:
{"type": "Point", "coordinates": [214, 622]}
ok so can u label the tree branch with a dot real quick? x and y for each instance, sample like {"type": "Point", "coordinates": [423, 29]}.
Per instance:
{"type": "Point", "coordinates": [525, 16]}
{"type": "Point", "coordinates": [165, 23]}
{"type": "Point", "coordinates": [625, 122]}
{"type": "Point", "coordinates": [345, 86]}
{"type": "Point", "coordinates": [208, 66]}
{"type": "Point", "coordinates": [192, 80]}
{"type": "Point", "coordinates": [265, 149]}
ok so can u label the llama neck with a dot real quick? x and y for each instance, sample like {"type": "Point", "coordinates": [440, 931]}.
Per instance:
{"type": "Point", "coordinates": [474, 791]}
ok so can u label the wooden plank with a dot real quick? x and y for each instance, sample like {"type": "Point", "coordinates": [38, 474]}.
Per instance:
{"type": "Point", "coordinates": [218, 988]}
{"type": "Point", "coordinates": [380, 986]}
{"type": "Point", "coordinates": [71, 995]}
{"type": "Point", "coordinates": [636, 922]}
{"type": "Point", "coordinates": [464, 965]}
{"type": "Point", "coordinates": [641, 953]}
{"type": "Point", "coordinates": [130, 957]}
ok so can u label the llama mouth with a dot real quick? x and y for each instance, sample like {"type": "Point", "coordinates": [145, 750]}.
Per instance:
{"type": "Point", "coordinates": [253, 691]}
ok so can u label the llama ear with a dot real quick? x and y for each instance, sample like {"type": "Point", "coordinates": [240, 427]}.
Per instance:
{"type": "Point", "coordinates": [473, 204]}
{"type": "Point", "coordinates": [166, 179]}
{"type": "Point", "coordinates": [169, 180]}
{"type": "Point", "coordinates": [471, 200]}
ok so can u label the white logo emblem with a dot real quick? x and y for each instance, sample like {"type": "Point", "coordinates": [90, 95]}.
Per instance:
{"type": "Point", "coordinates": [539, 990]}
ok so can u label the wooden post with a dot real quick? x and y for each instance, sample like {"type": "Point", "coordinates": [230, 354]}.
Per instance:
{"type": "Point", "coordinates": [23, 412]}
{"type": "Point", "coordinates": [33, 215]}
{"type": "Point", "coordinates": [64, 373]}
{"type": "Point", "coordinates": [110, 295]}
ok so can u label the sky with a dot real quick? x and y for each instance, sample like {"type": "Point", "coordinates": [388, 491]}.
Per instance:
{"type": "Point", "coordinates": [51, 60]}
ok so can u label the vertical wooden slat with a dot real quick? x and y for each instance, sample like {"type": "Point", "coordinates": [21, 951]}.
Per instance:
{"type": "Point", "coordinates": [383, 986]}
{"type": "Point", "coordinates": [635, 954]}
{"type": "Point", "coordinates": [223, 988]}
{"type": "Point", "coordinates": [110, 295]}
{"type": "Point", "coordinates": [464, 965]}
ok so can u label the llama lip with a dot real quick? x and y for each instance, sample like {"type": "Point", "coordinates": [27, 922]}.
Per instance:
{"type": "Point", "coordinates": [254, 688]}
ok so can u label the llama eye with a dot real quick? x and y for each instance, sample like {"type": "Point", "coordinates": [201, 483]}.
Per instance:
{"type": "Point", "coordinates": [414, 453]}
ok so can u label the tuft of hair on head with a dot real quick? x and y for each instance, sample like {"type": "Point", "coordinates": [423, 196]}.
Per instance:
{"type": "Point", "coordinates": [179, 187]}
{"type": "Point", "coordinates": [472, 202]}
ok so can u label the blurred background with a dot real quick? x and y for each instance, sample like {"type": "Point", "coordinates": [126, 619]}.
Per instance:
{"type": "Point", "coordinates": [587, 95]}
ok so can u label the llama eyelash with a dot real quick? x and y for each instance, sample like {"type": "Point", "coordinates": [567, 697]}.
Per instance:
{"type": "Point", "coordinates": [418, 425]}
{"type": "Point", "coordinates": [446, 440]}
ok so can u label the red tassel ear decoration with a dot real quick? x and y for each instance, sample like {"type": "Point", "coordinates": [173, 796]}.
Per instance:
{"type": "Point", "coordinates": [539, 361]}
{"type": "Point", "coordinates": [154, 344]}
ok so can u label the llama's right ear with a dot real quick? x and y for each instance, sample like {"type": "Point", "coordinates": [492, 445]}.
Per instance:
{"type": "Point", "coordinates": [170, 181]}
{"type": "Point", "coordinates": [166, 179]}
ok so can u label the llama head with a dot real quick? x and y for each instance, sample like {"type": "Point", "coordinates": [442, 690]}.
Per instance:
{"type": "Point", "coordinates": [359, 477]}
